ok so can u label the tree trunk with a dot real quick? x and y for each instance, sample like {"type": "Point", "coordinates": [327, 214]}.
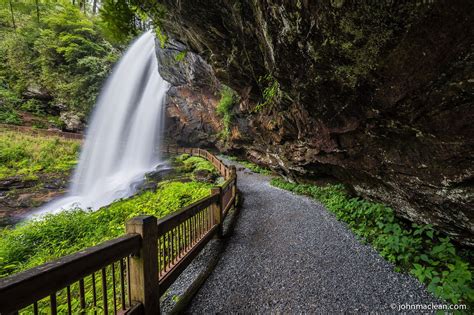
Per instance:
{"type": "Point", "coordinates": [37, 11]}
{"type": "Point", "coordinates": [94, 7]}
{"type": "Point", "coordinates": [13, 16]}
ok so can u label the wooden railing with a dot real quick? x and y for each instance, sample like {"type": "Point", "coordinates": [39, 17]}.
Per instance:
{"type": "Point", "coordinates": [43, 132]}
{"type": "Point", "coordinates": [126, 275]}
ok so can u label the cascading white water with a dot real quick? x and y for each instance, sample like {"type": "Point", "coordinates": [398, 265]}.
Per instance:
{"type": "Point", "coordinates": [123, 138]}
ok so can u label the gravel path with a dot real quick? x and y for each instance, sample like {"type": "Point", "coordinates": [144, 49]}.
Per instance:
{"type": "Point", "coordinates": [288, 254]}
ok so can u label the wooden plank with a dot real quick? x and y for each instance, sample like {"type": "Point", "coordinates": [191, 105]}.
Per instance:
{"type": "Point", "coordinates": [20, 290]}
{"type": "Point", "coordinates": [177, 269]}
{"type": "Point", "coordinates": [135, 309]}
{"type": "Point", "coordinates": [43, 132]}
{"type": "Point", "coordinates": [217, 210]}
{"type": "Point", "coordinates": [227, 183]}
{"type": "Point", "coordinates": [228, 206]}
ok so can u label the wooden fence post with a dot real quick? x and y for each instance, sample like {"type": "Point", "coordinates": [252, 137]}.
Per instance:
{"type": "Point", "coordinates": [233, 174]}
{"type": "Point", "coordinates": [217, 209]}
{"type": "Point", "coordinates": [144, 266]}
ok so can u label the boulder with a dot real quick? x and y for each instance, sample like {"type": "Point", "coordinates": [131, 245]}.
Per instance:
{"type": "Point", "coordinates": [72, 121]}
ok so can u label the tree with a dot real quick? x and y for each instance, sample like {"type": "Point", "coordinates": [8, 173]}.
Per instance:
{"type": "Point", "coordinates": [118, 19]}
{"type": "Point", "coordinates": [13, 16]}
{"type": "Point", "coordinates": [65, 55]}
{"type": "Point", "coordinates": [37, 10]}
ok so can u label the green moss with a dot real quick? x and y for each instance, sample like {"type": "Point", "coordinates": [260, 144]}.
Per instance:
{"type": "Point", "coordinates": [418, 249]}
{"type": "Point", "coordinates": [192, 164]}
{"type": "Point", "coordinates": [196, 163]}
{"type": "Point", "coordinates": [356, 38]}
{"type": "Point", "coordinates": [38, 241]}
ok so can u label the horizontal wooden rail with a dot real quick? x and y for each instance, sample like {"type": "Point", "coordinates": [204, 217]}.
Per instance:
{"type": "Point", "coordinates": [149, 259]}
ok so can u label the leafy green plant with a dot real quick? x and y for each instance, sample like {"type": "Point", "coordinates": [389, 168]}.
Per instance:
{"type": "Point", "coordinates": [418, 249]}
{"type": "Point", "coordinates": [56, 122]}
{"type": "Point", "coordinates": [224, 108]}
{"type": "Point", "coordinates": [8, 98]}
{"type": "Point", "coordinates": [180, 56]}
{"type": "Point", "coordinates": [8, 116]}
{"type": "Point", "coordinates": [162, 37]}
{"type": "Point", "coordinates": [271, 94]}
{"type": "Point", "coordinates": [39, 124]}
{"type": "Point", "coordinates": [255, 168]}
{"type": "Point", "coordinates": [33, 106]}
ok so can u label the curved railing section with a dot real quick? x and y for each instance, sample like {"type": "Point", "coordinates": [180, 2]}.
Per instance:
{"type": "Point", "coordinates": [126, 275]}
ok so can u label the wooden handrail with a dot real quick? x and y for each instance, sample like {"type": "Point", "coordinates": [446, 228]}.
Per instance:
{"type": "Point", "coordinates": [171, 220]}
{"type": "Point", "coordinates": [157, 252]}
{"type": "Point", "coordinates": [22, 289]}
{"type": "Point", "coordinates": [43, 132]}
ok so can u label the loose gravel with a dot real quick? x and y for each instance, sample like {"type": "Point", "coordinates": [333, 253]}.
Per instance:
{"type": "Point", "coordinates": [288, 254]}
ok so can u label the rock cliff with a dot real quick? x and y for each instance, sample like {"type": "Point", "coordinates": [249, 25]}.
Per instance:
{"type": "Point", "coordinates": [378, 96]}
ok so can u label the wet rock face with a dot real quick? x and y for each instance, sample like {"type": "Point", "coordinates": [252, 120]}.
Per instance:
{"type": "Point", "coordinates": [379, 97]}
{"type": "Point", "coordinates": [192, 98]}
{"type": "Point", "coordinates": [20, 195]}
{"type": "Point", "coordinates": [191, 117]}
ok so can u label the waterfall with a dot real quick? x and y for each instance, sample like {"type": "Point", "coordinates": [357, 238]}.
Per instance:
{"type": "Point", "coordinates": [123, 139]}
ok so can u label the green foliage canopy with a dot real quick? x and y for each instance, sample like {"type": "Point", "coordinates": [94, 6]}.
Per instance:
{"type": "Point", "coordinates": [64, 55]}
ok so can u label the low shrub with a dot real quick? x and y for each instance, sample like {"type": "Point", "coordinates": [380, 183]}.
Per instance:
{"type": "Point", "coordinates": [191, 164]}
{"type": "Point", "coordinates": [255, 168]}
{"type": "Point", "coordinates": [9, 116]}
